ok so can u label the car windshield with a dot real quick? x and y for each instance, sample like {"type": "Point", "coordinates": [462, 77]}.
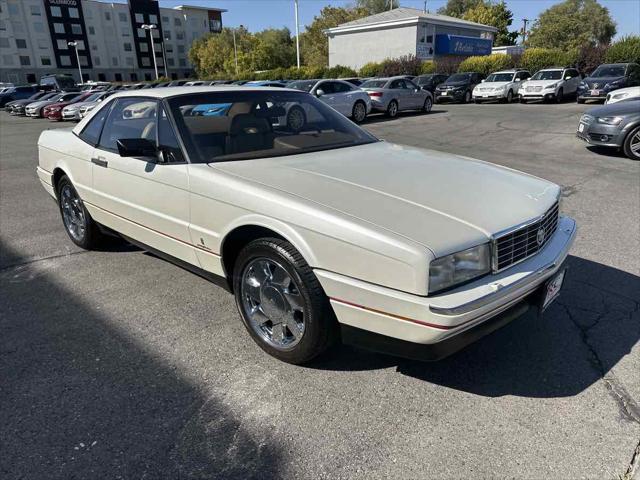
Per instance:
{"type": "Point", "coordinates": [229, 126]}
{"type": "Point", "coordinates": [500, 77]}
{"type": "Point", "coordinates": [302, 85]}
{"type": "Point", "coordinates": [459, 77]}
{"type": "Point", "coordinates": [374, 84]}
{"type": "Point", "coordinates": [94, 97]}
{"type": "Point", "coordinates": [547, 75]}
{"type": "Point", "coordinates": [424, 80]}
{"type": "Point", "coordinates": [609, 71]}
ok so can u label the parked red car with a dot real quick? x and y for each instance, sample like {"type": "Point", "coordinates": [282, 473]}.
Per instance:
{"type": "Point", "coordinates": [54, 111]}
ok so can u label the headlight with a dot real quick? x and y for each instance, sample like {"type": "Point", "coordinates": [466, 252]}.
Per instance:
{"type": "Point", "coordinates": [618, 96]}
{"type": "Point", "coordinates": [459, 267]}
{"type": "Point", "coordinates": [609, 120]}
{"type": "Point", "coordinates": [616, 84]}
{"type": "Point", "coordinates": [553, 85]}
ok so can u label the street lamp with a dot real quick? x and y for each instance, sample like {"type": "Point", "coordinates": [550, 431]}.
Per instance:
{"type": "Point", "coordinates": [295, 5]}
{"type": "Point", "coordinates": [235, 47]}
{"type": "Point", "coordinates": [164, 58]}
{"type": "Point", "coordinates": [153, 50]}
{"type": "Point", "coordinates": [74, 44]}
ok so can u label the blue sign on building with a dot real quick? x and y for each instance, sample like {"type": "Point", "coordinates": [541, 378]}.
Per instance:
{"type": "Point", "coordinates": [459, 45]}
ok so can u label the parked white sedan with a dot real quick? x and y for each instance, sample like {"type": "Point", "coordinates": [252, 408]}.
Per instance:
{"type": "Point", "coordinates": [321, 232]}
{"type": "Point", "coordinates": [629, 93]}
{"type": "Point", "coordinates": [345, 97]}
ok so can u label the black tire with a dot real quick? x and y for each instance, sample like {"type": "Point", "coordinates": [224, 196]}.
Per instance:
{"type": "Point", "coordinates": [428, 105]}
{"type": "Point", "coordinates": [580, 100]}
{"type": "Point", "coordinates": [467, 97]}
{"type": "Point", "coordinates": [523, 100]}
{"type": "Point", "coordinates": [320, 325]}
{"type": "Point", "coordinates": [357, 115]}
{"type": "Point", "coordinates": [632, 139]}
{"type": "Point", "coordinates": [510, 96]}
{"type": "Point", "coordinates": [477, 101]}
{"type": "Point", "coordinates": [392, 109]}
{"type": "Point", "coordinates": [91, 236]}
{"type": "Point", "coordinates": [560, 96]}
{"type": "Point", "coordinates": [296, 118]}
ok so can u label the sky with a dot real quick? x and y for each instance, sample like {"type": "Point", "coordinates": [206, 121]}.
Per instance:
{"type": "Point", "coordinates": [260, 14]}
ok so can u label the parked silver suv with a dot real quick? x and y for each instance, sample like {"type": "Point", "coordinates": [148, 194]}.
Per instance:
{"type": "Point", "coordinates": [501, 86]}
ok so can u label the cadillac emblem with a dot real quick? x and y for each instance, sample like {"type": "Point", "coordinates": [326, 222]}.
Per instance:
{"type": "Point", "coordinates": [540, 236]}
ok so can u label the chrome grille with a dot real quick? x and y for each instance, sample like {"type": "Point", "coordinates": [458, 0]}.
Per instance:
{"type": "Point", "coordinates": [520, 244]}
{"type": "Point", "coordinates": [534, 89]}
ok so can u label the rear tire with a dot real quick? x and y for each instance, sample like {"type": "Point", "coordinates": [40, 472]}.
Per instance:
{"type": "Point", "coordinates": [428, 105]}
{"type": "Point", "coordinates": [392, 109]}
{"type": "Point", "coordinates": [81, 228]}
{"type": "Point", "coordinates": [281, 302]}
{"type": "Point", "coordinates": [631, 145]}
{"type": "Point", "coordinates": [359, 111]}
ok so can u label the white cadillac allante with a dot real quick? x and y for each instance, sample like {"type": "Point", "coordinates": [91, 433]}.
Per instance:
{"type": "Point", "coordinates": [322, 232]}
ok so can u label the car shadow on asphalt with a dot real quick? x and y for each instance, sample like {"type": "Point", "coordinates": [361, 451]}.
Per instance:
{"type": "Point", "coordinates": [80, 397]}
{"type": "Point", "coordinates": [606, 151]}
{"type": "Point", "coordinates": [581, 337]}
{"type": "Point", "coordinates": [381, 117]}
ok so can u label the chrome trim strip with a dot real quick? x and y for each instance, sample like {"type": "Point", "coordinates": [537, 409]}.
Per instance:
{"type": "Point", "coordinates": [490, 297]}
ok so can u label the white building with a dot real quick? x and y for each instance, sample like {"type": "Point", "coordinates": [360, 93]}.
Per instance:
{"type": "Point", "coordinates": [406, 31]}
{"type": "Point", "coordinates": [35, 36]}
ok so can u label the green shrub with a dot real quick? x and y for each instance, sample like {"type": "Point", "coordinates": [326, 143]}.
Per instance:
{"type": "Point", "coordinates": [371, 69]}
{"type": "Point", "coordinates": [627, 49]}
{"type": "Point", "coordinates": [404, 65]}
{"type": "Point", "coordinates": [486, 64]}
{"type": "Point", "coordinates": [339, 71]}
{"type": "Point", "coordinates": [534, 59]}
{"type": "Point", "coordinates": [427, 67]}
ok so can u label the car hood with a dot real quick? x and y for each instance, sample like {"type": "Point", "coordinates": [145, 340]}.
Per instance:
{"type": "Point", "coordinates": [492, 84]}
{"type": "Point", "coordinates": [620, 108]}
{"type": "Point", "coordinates": [454, 84]}
{"type": "Point", "coordinates": [540, 83]}
{"type": "Point", "coordinates": [442, 201]}
{"type": "Point", "coordinates": [38, 104]}
{"type": "Point", "coordinates": [77, 105]}
{"type": "Point", "coordinates": [601, 81]}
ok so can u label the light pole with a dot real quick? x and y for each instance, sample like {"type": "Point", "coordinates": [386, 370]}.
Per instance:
{"type": "Point", "coordinates": [235, 46]}
{"type": "Point", "coordinates": [295, 4]}
{"type": "Point", "coordinates": [74, 44]}
{"type": "Point", "coordinates": [164, 58]}
{"type": "Point", "coordinates": [153, 50]}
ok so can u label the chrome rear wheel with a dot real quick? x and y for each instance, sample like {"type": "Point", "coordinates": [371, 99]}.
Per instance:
{"type": "Point", "coordinates": [73, 215]}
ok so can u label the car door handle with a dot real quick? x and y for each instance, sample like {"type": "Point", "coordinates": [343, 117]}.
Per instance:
{"type": "Point", "coordinates": [101, 162]}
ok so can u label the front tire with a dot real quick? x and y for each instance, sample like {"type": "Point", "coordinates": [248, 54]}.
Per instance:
{"type": "Point", "coordinates": [510, 96]}
{"type": "Point", "coordinates": [467, 97]}
{"type": "Point", "coordinates": [631, 145]}
{"type": "Point", "coordinates": [81, 228]}
{"type": "Point", "coordinates": [560, 96]}
{"type": "Point", "coordinates": [359, 111]}
{"type": "Point", "coordinates": [281, 302]}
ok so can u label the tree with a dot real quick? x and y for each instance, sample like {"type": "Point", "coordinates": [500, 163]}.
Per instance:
{"type": "Point", "coordinates": [572, 24]}
{"type": "Point", "coordinates": [457, 8]}
{"type": "Point", "coordinates": [314, 44]}
{"type": "Point", "coordinates": [274, 48]}
{"type": "Point", "coordinates": [496, 15]}
{"type": "Point", "coordinates": [376, 6]}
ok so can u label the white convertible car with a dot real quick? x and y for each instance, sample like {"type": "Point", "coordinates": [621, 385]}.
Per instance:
{"type": "Point", "coordinates": [321, 231]}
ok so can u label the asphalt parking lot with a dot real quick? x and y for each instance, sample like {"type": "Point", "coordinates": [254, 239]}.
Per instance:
{"type": "Point", "coordinates": [116, 364]}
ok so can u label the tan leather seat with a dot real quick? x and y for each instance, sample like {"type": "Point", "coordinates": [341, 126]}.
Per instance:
{"type": "Point", "coordinates": [149, 131]}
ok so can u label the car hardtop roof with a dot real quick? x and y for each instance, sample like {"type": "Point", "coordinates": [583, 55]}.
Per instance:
{"type": "Point", "coordinates": [168, 92]}
{"type": "Point", "coordinates": [511, 70]}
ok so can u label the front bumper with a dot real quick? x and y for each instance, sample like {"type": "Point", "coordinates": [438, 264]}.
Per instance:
{"type": "Point", "coordinates": [450, 95]}
{"type": "Point", "coordinates": [542, 95]}
{"type": "Point", "coordinates": [431, 320]}
{"type": "Point", "coordinates": [601, 135]}
{"type": "Point", "coordinates": [73, 115]}
{"type": "Point", "coordinates": [489, 95]}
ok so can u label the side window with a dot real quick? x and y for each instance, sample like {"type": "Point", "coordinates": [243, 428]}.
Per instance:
{"type": "Point", "coordinates": [326, 87]}
{"type": "Point", "coordinates": [91, 133]}
{"type": "Point", "coordinates": [396, 84]}
{"type": "Point", "coordinates": [130, 117]}
{"type": "Point", "coordinates": [167, 140]}
{"type": "Point", "coordinates": [341, 87]}
{"type": "Point", "coordinates": [410, 85]}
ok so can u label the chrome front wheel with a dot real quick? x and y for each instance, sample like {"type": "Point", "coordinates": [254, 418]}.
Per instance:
{"type": "Point", "coordinates": [272, 302]}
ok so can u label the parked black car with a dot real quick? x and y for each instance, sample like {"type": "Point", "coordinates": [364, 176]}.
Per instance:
{"type": "Point", "coordinates": [458, 87]}
{"type": "Point", "coordinates": [607, 78]}
{"type": "Point", "coordinates": [17, 93]}
{"type": "Point", "coordinates": [430, 81]}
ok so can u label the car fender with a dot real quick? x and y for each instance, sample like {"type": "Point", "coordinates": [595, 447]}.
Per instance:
{"type": "Point", "coordinates": [286, 231]}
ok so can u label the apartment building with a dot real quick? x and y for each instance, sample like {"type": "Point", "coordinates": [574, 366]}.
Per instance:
{"type": "Point", "coordinates": [107, 38]}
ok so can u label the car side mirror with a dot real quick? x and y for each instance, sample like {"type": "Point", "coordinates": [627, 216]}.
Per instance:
{"type": "Point", "coordinates": [136, 147]}
{"type": "Point", "coordinates": [482, 81]}
{"type": "Point", "coordinates": [319, 92]}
